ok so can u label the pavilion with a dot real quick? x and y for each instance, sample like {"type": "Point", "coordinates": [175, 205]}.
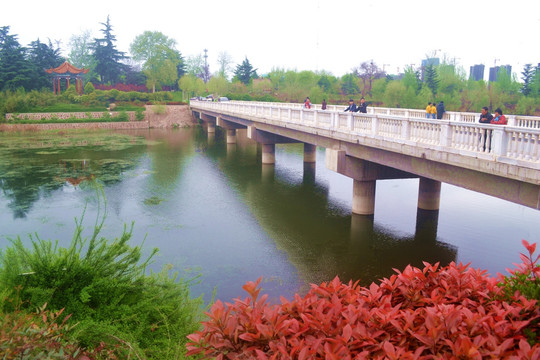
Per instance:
{"type": "Point", "coordinates": [67, 71]}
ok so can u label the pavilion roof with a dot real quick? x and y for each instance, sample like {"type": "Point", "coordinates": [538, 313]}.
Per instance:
{"type": "Point", "coordinates": [67, 68]}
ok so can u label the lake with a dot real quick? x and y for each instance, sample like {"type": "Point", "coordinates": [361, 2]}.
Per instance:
{"type": "Point", "coordinates": [218, 214]}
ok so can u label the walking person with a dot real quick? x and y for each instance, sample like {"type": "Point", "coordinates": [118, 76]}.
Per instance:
{"type": "Point", "coordinates": [428, 110]}
{"type": "Point", "coordinates": [323, 105]}
{"type": "Point", "coordinates": [440, 110]}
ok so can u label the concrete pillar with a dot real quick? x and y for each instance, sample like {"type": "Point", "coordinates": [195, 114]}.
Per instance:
{"type": "Point", "coordinates": [211, 128]}
{"type": "Point", "coordinates": [429, 194]}
{"type": "Point", "coordinates": [211, 137]}
{"type": "Point", "coordinates": [268, 153]}
{"type": "Point", "coordinates": [363, 202]}
{"type": "Point", "coordinates": [231, 136]}
{"type": "Point", "coordinates": [310, 153]}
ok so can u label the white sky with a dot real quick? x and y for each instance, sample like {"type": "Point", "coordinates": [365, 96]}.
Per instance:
{"type": "Point", "coordinates": [331, 35]}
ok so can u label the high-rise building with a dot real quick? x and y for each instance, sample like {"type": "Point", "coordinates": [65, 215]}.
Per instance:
{"type": "Point", "coordinates": [477, 72]}
{"type": "Point", "coordinates": [494, 71]}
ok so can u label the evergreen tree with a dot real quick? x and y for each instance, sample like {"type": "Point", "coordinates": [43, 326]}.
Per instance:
{"type": "Point", "coordinates": [527, 77]}
{"type": "Point", "coordinates": [41, 57]}
{"type": "Point", "coordinates": [108, 65]}
{"type": "Point", "coordinates": [244, 72]}
{"type": "Point", "coordinates": [15, 70]}
{"type": "Point", "coordinates": [349, 85]}
{"type": "Point", "coordinates": [432, 80]}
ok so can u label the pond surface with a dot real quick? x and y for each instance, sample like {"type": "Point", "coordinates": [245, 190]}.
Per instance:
{"type": "Point", "coordinates": [215, 211]}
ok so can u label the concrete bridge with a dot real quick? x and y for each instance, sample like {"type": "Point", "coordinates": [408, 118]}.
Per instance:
{"type": "Point", "coordinates": [501, 161]}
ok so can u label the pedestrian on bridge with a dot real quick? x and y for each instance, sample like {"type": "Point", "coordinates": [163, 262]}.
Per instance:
{"type": "Point", "coordinates": [363, 106]}
{"type": "Point", "coordinates": [352, 106]}
{"type": "Point", "coordinates": [440, 110]}
{"type": "Point", "coordinates": [428, 110]}
{"type": "Point", "coordinates": [307, 103]}
{"type": "Point", "coordinates": [499, 118]}
{"type": "Point", "coordinates": [485, 118]}
{"type": "Point", "coordinates": [323, 105]}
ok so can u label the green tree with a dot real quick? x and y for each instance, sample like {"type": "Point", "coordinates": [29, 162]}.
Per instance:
{"type": "Point", "coordinates": [432, 80]}
{"type": "Point", "coordinates": [191, 85]}
{"type": "Point", "coordinates": [42, 56]}
{"type": "Point", "coordinates": [225, 64]}
{"type": "Point", "coordinates": [527, 75]}
{"type": "Point", "coordinates": [159, 56]}
{"type": "Point", "coordinates": [245, 72]}
{"type": "Point", "coordinates": [218, 85]}
{"type": "Point", "coordinates": [108, 58]}
{"type": "Point", "coordinates": [15, 70]}
{"type": "Point", "coordinates": [349, 84]}
{"type": "Point", "coordinates": [80, 54]}
{"type": "Point", "coordinates": [411, 79]}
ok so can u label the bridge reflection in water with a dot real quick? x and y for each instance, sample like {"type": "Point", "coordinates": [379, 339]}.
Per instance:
{"type": "Point", "coordinates": [321, 238]}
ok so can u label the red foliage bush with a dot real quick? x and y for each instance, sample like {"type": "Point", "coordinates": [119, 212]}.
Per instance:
{"type": "Point", "coordinates": [122, 87]}
{"type": "Point", "coordinates": [452, 312]}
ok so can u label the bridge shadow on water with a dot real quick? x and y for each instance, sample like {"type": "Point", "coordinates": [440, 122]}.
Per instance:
{"type": "Point", "coordinates": [319, 235]}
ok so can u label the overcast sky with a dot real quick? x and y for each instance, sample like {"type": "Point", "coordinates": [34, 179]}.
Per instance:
{"type": "Point", "coordinates": [331, 35]}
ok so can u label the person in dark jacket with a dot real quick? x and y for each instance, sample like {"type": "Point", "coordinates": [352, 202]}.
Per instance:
{"type": "Point", "coordinates": [440, 110]}
{"type": "Point", "coordinates": [362, 107]}
{"type": "Point", "coordinates": [485, 118]}
{"type": "Point", "coordinates": [323, 105]}
{"type": "Point", "coordinates": [352, 106]}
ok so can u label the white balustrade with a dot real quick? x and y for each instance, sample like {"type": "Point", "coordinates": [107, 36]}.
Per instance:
{"type": "Point", "coordinates": [460, 132]}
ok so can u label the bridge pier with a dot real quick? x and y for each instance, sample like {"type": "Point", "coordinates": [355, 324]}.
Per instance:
{"type": "Point", "coordinates": [363, 202]}
{"type": "Point", "coordinates": [429, 194]}
{"type": "Point", "coordinates": [268, 153]}
{"type": "Point", "coordinates": [231, 136]}
{"type": "Point", "coordinates": [310, 153]}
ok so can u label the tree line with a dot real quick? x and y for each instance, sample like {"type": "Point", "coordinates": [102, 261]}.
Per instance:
{"type": "Point", "coordinates": [156, 63]}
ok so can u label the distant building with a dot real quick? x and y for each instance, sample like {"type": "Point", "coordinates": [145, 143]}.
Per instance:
{"type": "Point", "coordinates": [477, 72]}
{"type": "Point", "coordinates": [494, 71]}
{"type": "Point", "coordinates": [428, 62]}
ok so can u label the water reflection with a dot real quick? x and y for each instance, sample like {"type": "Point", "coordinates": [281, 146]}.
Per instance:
{"type": "Point", "coordinates": [215, 209]}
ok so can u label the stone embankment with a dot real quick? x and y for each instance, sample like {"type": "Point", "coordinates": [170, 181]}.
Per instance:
{"type": "Point", "coordinates": [155, 116]}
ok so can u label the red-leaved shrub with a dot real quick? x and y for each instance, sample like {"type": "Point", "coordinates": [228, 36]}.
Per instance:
{"type": "Point", "coordinates": [452, 312]}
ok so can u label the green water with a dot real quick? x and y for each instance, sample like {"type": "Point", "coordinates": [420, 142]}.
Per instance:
{"type": "Point", "coordinates": [214, 210]}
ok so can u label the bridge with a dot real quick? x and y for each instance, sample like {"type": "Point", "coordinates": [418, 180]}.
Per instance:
{"type": "Point", "coordinates": [501, 161]}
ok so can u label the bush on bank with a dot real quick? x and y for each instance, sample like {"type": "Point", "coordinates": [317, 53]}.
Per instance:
{"type": "Point", "coordinates": [452, 312]}
{"type": "Point", "coordinates": [114, 303]}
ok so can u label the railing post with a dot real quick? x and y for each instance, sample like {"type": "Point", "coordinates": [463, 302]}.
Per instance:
{"type": "Point", "coordinates": [446, 135]}
{"type": "Point", "coordinates": [315, 118]}
{"type": "Point", "coordinates": [349, 120]}
{"type": "Point", "coordinates": [301, 116]}
{"type": "Point", "coordinates": [289, 115]}
{"type": "Point", "coordinates": [511, 120]}
{"type": "Point", "coordinates": [499, 142]}
{"type": "Point", "coordinates": [375, 125]}
{"type": "Point", "coordinates": [406, 129]}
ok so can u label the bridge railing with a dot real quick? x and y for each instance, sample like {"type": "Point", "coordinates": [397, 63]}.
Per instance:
{"type": "Point", "coordinates": [532, 122]}
{"type": "Point", "coordinates": [460, 135]}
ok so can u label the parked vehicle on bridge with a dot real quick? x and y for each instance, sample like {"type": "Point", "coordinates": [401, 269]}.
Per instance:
{"type": "Point", "coordinates": [223, 98]}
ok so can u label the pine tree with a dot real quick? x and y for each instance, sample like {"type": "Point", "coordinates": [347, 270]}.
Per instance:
{"type": "Point", "coordinates": [42, 56]}
{"type": "Point", "coordinates": [432, 79]}
{"type": "Point", "coordinates": [108, 65]}
{"type": "Point", "coordinates": [527, 77]}
{"type": "Point", "coordinates": [15, 70]}
{"type": "Point", "coordinates": [245, 72]}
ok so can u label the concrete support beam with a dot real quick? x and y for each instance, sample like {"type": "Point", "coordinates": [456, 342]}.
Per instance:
{"type": "Point", "coordinates": [268, 153]}
{"type": "Point", "coordinates": [231, 136]}
{"type": "Point", "coordinates": [429, 194]}
{"type": "Point", "coordinates": [363, 202]}
{"type": "Point", "coordinates": [310, 153]}
{"type": "Point", "coordinates": [211, 128]}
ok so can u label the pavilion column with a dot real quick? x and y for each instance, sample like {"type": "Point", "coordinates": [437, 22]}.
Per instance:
{"type": "Point", "coordinates": [67, 87]}
{"type": "Point", "coordinates": [77, 86]}
{"type": "Point", "coordinates": [54, 86]}
{"type": "Point", "coordinates": [58, 87]}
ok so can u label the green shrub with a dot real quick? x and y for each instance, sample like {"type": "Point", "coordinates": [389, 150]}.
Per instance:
{"type": "Point", "coordinates": [105, 286]}
{"type": "Point", "coordinates": [89, 88]}
{"type": "Point", "coordinates": [159, 109]}
{"type": "Point", "coordinates": [139, 114]}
